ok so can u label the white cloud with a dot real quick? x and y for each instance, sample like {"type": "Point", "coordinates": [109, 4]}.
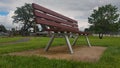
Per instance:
{"type": "Point", "coordinates": [8, 5]}
{"type": "Point", "coordinates": [7, 20]}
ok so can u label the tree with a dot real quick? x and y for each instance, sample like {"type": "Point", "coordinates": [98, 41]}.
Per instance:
{"type": "Point", "coordinates": [24, 15]}
{"type": "Point", "coordinates": [2, 28]}
{"type": "Point", "coordinates": [104, 20]}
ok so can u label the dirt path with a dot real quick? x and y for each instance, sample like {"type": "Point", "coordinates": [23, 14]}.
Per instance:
{"type": "Point", "coordinates": [85, 53]}
{"type": "Point", "coordinates": [17, 41]}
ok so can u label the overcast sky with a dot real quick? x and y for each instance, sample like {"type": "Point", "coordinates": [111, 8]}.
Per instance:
{"type": "Point", "coordinates": [79, 10]}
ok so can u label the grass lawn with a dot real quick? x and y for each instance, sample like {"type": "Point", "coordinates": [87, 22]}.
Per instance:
{"type": "Point", "coordinates": [110, 59]}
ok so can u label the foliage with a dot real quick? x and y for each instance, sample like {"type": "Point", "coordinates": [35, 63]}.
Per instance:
{"type": "Point", "coordinates": [24, 15]}
{"type": "Point", "coordinates": [104, 20]}
{"type": "Point", "coordinates": [2, 28]}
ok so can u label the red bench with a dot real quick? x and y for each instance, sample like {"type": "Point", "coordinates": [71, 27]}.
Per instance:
{"type": "Point", "coordinates": [58, 24]}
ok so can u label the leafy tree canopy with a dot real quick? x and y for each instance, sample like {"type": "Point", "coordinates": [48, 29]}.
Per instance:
{"type": "Point", "coordinates": [24, 15]}
{"type": "Point", "coordinates": [105, 19]}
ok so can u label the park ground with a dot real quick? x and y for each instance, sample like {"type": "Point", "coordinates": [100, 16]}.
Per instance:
{"type": "Point", "coordinates": [109, 59]}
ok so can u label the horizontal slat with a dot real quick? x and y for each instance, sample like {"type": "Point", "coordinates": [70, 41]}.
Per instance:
{"type": "Point", "coordinates": [38, 14]}
{"type": "Point", "coordinates": [58, 26]}
{"type": "Point", "coordinates": [45, 22]}
{"type": "Point", "coordinates": [38, 7]}
{"type": "Point", "coordinates": [79, 32]}
{"type": "Point", "coordinates": [60, 30]}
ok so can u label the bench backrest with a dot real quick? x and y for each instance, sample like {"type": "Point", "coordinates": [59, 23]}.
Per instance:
{"type": "Point", "coordinates": [55, 21]}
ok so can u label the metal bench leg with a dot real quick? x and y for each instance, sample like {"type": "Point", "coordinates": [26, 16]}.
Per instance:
{"type": "Point", "coordinates": [75, 40]}
{"type": "Point", "coordinates": [50, 42]}
{"type": "Point", "coordinates": [88, 41]}
{"type": "Point", "coordinates": [68, 44]}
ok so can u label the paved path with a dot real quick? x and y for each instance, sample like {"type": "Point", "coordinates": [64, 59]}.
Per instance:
{"type": "Point", "coordinates": [17, 41]}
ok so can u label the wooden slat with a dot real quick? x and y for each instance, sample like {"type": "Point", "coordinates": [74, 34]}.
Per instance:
{"type": "Point", "coordinates": [58, 26]}
{"type": "Point", "coordinates": [38, 7]}
{"type": "Point", "coordinates": [60, 30]}
{"type": "Point", "coordinates": [45, 22]}
{"type": "Point", "coordinates": [38, 14]}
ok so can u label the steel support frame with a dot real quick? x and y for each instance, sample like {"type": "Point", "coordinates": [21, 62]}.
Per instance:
{"type": "Point", "coordinates": [75, 40]}
{"type": "Point", "coordinates": [50, 42]}
{"type": "Point", "coordinates": [88, 42]}
{"type": "Point", "coordinates": [67, 41]}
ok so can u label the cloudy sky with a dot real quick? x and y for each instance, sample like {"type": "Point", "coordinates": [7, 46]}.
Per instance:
{"type": "Point", "coordinates": [79, 10]}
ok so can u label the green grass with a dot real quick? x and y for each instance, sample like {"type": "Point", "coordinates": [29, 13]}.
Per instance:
{"type": "Point", "coordinates": [110, 58]}
{"type": "Point", "coordinates": [35, 42]}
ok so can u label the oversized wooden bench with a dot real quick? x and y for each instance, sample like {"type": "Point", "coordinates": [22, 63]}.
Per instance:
{"type": "Point", "coordinates": [58, 24]}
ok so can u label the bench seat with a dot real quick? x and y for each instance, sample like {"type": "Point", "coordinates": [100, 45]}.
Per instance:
{"type": "Point", "coordinates": [57, 23]}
